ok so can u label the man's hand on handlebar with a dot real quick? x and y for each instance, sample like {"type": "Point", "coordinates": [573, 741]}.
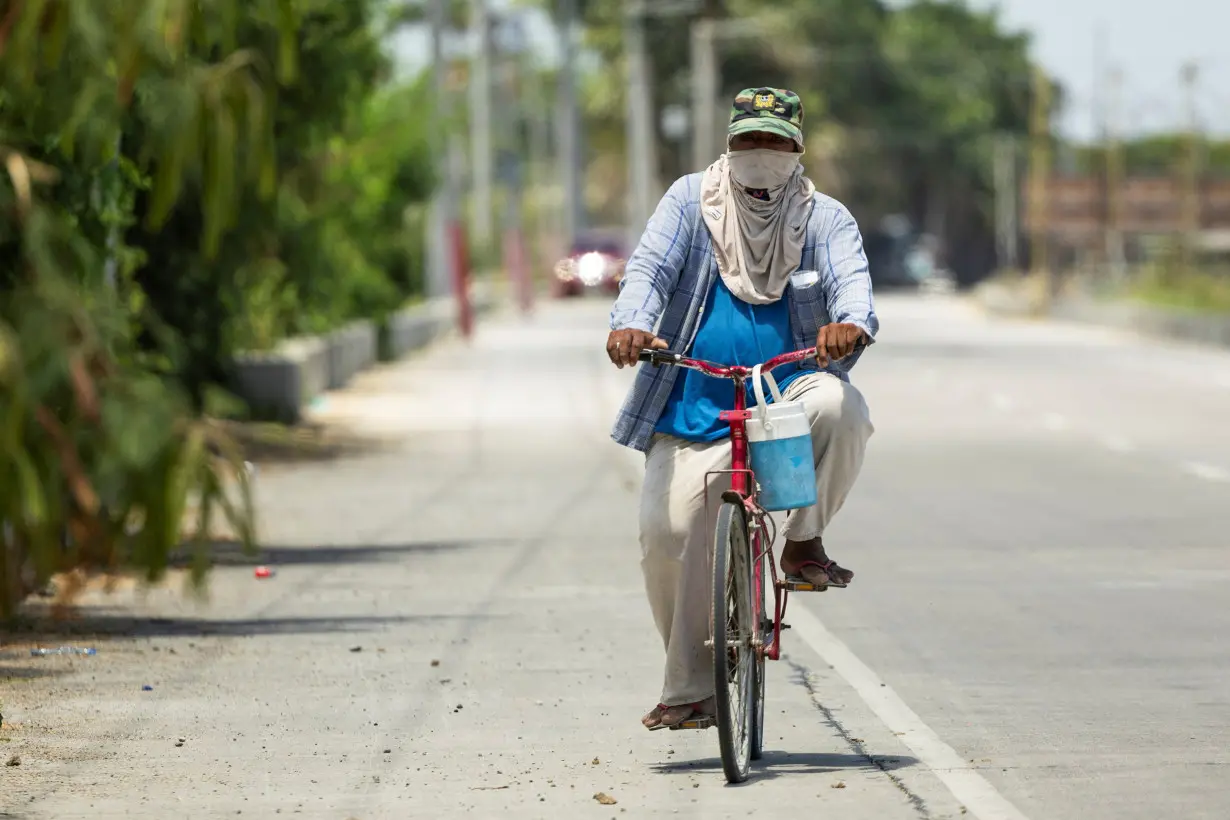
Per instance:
{"type": "Point", "coordinates": [624, 346]}
{"type": "Point", "coordinates": [837, 341]}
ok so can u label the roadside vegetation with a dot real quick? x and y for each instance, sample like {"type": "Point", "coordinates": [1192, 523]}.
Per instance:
{"type": "Point", "coordinates": [182, 180]}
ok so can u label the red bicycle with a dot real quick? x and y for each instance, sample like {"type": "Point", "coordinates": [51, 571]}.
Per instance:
{"type": "Point", "coordinates": [742, 561]}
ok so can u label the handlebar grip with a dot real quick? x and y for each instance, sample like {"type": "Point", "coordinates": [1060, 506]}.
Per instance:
{"type": "Point", "coordinates": [658, 357]}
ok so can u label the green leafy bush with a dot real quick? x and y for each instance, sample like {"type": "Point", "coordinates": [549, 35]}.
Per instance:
{"type": "Point", "coordinates": [183, 180]}
{"type": "Point", "coordinates": [99, 455]}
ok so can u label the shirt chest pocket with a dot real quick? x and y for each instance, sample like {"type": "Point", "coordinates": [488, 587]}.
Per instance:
{"type": "Point", "coordinates": [808, 290]}
{"type": "Point", "coordinates": [809, 307]}
{"type": "Point", "coordinates": [803, 279]}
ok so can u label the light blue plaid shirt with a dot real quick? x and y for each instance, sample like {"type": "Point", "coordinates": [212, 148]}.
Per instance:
{"type": "Point", "coordinates": [671, 273]}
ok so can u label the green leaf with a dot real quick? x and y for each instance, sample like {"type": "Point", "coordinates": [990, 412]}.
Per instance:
{"type": "Point", "coordinates": [189, 465]}
{"type": "Point", "coordinates": [30, 490]}
{"type": "Point", "coordinates": [288, 53]}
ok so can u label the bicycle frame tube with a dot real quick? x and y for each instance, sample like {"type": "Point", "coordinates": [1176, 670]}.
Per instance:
{"type": "Point", "coordinates": [737, 419]}
{"type": "Point", "coordinates": [761, 549]}
{"type": "Point", "coordinates": [742, 481]}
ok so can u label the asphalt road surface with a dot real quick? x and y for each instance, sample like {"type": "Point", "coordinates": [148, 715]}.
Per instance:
{"type": "Point", "coordinates": [1039, 628]}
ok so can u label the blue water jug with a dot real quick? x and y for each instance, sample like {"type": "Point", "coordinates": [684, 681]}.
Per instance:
{"type": "Point", "coordinates": [779, 442]}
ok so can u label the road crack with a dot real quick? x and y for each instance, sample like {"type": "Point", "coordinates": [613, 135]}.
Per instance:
{"type": "Point", "coordinates": [803, 677]}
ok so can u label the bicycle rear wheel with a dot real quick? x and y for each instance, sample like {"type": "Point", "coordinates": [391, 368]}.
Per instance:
{"type": "Point", "coordinates": [733, 653]}
{"type": "Point", "coordinates": [763, 618]}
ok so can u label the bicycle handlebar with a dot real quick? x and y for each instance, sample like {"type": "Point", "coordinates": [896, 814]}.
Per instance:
{"type": "Point", "coordinates": [658, 358]}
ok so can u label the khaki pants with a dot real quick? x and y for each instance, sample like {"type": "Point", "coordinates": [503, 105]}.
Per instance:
{"type": "Point", "coordinates": [677, 527]}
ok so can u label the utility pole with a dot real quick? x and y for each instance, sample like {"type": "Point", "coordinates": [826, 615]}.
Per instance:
{"type": "Point", "coordinates": [1040, 173]}
{"type": "Point", "coordinates": [438, 238]}
{"type": "Point", "coordinates": [1099, 112]}
{"type": "Point", "coordinates": [543, 174]}
{"type": "Point", "coordinates": [1007, 195]}
{"type": "Point", "coordinates": [570, 123]}
{"type": "Point", "coordinates": [642, 147]}
{"type": "Point", "coordinates": [447, 256]}
{"type": "Point", "coordinates": [705, 78]}
{"type": "Point", "coordinates": [1099, 80]}
{"type": "Point", "coordinates": [1190, 220]}
{"type": "Point", "coordinates": [511, 164]}
{"type": "Point", "coordinates": [1114, 178]}
{"type": "Point", "coordinates": [480, 122]}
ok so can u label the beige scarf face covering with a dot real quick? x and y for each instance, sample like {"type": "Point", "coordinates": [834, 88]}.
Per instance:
{"type": "Point", "coordinates": [757, 244]}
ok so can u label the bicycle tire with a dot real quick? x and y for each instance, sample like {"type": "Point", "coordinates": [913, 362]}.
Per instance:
{"type": "Point", "coordinates": [733, 655]}
{"type": "Point", "coordinates": [761, 573]}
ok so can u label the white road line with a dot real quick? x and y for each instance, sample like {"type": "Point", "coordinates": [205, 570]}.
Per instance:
{"type": "Point", "coordinates": [1118, 445]}
{"type": "Point", "coordinates": [1208, 472]}
{"type": "Point", "coordinates": [966, 784]}
{"type": "Point", "coordinates": [1054, 421]}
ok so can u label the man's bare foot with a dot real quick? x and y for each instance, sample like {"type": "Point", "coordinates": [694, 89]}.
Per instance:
{"type": "Point", "coordinates": [654, 717]}
{"type": "Point", "coordinates": [808, 560]}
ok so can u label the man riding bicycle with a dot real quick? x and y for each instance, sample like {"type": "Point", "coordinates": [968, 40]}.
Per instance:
{"type": "Point", "coordinates": [738, 264]}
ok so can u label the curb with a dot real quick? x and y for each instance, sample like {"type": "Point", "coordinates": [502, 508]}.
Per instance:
{"type": "Point", "coordinates": [278, 384]}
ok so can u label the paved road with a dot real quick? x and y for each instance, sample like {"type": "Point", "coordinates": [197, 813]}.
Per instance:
{"type": "Point", "coordinates": [457, 626]}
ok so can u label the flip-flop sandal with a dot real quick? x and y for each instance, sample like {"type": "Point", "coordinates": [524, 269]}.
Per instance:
{"type": "Point", "coordinates": [693, 713]}
{"type": "Point", "coordinates": [828, 567]}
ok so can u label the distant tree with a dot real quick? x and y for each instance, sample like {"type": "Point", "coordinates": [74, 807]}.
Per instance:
{"type": "Point", "coordinates": [902, 101]}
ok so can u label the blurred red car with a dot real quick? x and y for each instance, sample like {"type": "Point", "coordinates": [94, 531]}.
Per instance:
{"type": "Point", "coordinates": [594, 265]}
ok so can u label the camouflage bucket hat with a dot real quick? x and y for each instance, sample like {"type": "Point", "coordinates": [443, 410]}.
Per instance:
{"type": "Point", "coordinates": [774, 110]}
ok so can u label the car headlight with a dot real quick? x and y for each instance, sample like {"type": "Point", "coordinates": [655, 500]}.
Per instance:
{"type": "Point", "coordinates": [591, 267]}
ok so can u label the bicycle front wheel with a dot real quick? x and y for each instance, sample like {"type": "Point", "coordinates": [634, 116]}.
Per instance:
{"type": "Point", "coordinates": [734, 657]}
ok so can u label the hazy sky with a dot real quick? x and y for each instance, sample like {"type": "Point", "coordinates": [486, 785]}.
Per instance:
{"type": "Point", "coordinates": [1147, 40]}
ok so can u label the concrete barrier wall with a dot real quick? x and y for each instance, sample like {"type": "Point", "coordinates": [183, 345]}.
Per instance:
{"type": "Point", "coordinates": [1187, 326]}
{"type": "Point", "coordinates": [352, 349]}
{"type": "Point", "coordinates": [278, 384]}
{"type": "Point", "coordinates": [417, 327]}
{"type": "Point", "coordinates": [1204, 328]}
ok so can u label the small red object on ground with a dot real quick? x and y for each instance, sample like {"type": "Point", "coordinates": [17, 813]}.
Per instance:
{"type": "Point", "coordinates": [264, 572]}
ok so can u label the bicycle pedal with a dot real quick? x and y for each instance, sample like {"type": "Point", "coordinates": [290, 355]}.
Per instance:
{"type": "Point", "coordinates": [698, 723]}
{"type": "Point", "coordinates": [798, 585]}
